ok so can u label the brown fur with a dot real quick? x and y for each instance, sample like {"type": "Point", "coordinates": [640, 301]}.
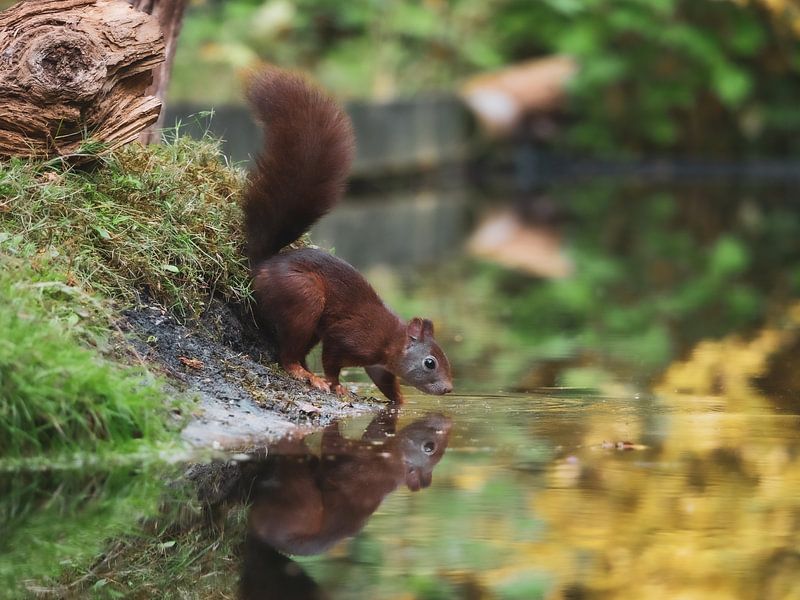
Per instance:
{"type": "Point", "coordinates": [303, 169]}
{"type": "Point", "coordinates": [308, 295]}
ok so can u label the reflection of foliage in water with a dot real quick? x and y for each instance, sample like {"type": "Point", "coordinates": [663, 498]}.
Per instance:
{"type": "Point", "coordinates": [657, 269]}
{"type": "Point", "coordinates": [450, 541]}
{"type": "Point", "coordinates": [59, 520]}
{"type": "Point", "coordinates": [709, 511]}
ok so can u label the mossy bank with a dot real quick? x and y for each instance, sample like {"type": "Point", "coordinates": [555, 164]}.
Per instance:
{"type": "Point", "coordinates": [133, 264]}
{"type": "Point", "coordinates": [126, 341]}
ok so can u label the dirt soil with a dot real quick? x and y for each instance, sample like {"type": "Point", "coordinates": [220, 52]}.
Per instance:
{"type": "Point", "coordinates": [224, 361]}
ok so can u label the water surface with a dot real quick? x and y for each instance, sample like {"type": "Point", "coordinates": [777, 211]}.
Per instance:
{"type": "Point", "coordinates": [630, 430]}
{"type": "Point", "coordinates": [570, 496]}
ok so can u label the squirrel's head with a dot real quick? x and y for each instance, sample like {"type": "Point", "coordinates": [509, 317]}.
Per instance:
{"type": "Point", "coordinates": [423, 364]}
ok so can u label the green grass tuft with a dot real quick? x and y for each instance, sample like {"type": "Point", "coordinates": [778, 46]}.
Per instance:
{"type": "Point", "coordinates": [160, 218]}
{"type": "Point", "coordinates": [57, 394]}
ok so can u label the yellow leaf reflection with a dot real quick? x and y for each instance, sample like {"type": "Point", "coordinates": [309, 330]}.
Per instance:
{"type": "Point", "coordinates": [710, 511]}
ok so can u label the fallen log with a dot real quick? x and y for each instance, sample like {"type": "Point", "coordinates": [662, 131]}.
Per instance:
{"type": "Point", "coordinates": [72, 70]}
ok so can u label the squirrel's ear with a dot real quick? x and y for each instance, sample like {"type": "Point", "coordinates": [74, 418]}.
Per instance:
{"type": "Point", "coordinates": [427, 328]}
{"type": "Point", "coordinates": [419, 329]}
{"type": "Point", "coordinates": [416, 328]}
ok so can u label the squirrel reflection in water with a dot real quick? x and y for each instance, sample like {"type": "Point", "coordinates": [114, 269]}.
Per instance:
{"type": "Point", "coordinates": [303, 502]}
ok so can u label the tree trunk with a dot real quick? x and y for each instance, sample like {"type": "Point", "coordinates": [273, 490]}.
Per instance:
{"type": "Point", "coordinates": [169, 14]}
{"type": "Point", "coordinates": [75, 69]}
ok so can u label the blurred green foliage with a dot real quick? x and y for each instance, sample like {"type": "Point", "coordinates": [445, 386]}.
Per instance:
{"type": "Point", "coordinates": [702, 77]}
{"type": "Point", "coordinates": [656, 269]}
{"type": "Point", "coordinates": [692, 76]}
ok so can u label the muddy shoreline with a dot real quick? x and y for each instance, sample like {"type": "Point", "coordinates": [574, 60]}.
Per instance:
{"type": "Point", "coordinates": [226, 364]}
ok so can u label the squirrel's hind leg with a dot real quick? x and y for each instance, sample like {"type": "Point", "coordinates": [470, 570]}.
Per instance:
{"type": "Point", "coordinates": [295, 312]}
{"type": "Point", "coordinates": [298, 368]}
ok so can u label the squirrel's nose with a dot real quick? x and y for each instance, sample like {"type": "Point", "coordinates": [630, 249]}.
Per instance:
{"type": "Point", "coordinates": [447, 388]}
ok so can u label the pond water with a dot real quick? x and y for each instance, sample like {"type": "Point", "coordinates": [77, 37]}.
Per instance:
{"type": "Point", "coordinates": [630, 428]}
{"type": "Point", "coordinates": [571, 496]}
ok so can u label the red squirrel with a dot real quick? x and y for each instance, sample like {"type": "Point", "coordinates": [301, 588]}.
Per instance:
{"type": "Point", "coordinates": [307, 294]}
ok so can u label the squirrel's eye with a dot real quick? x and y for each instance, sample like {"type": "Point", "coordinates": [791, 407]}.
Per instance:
{"type": "Point", "coordinates": [429, 362]}
{"type": "Point", "coordinates": [428, 447]}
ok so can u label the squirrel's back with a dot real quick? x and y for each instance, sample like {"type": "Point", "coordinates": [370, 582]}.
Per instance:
{"type": "Point", "coordinates": [301, 173]}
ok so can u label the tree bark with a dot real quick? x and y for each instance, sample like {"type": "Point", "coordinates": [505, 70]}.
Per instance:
{"type": "Point", "coordinates": [169, 14]}
{"type": "Point", "coordinates": [75, 69]}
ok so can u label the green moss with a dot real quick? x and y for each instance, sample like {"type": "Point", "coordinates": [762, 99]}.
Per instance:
{"type": "Point", "coordinates": [160, 218]}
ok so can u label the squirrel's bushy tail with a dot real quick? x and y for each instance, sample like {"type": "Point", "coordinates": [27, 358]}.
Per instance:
{"type": "Point", "coordinates": [301, 173]}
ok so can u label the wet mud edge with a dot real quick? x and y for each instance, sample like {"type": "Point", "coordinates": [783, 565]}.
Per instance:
{"type": "Point", "coordinates": [223, 361]}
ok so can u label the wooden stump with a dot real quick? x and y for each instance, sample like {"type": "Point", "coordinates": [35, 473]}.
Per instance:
{"type": "Point", "coordinates": [75, 69]}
